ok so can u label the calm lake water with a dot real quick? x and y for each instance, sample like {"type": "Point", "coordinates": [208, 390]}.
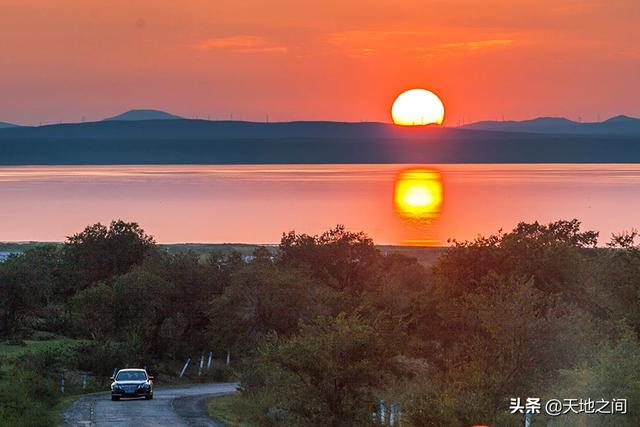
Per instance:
{"type": "Point", "coordinates": [395, 204]}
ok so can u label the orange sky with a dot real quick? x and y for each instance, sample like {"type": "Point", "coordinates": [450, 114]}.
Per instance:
{"type": "Point", "coordinates": [336, 60]}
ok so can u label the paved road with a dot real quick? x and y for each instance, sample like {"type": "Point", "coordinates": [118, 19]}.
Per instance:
{"type": "Point", "coordinates": [169, 407]}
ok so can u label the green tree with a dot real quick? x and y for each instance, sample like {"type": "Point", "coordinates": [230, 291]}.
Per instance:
{"type": "Point", "coordinates": [342, 259]}
{"type": "Point", "coordinates": [264, 298]}
{"type": "Point", "coordinates": [617, 272]}
{"type": "Point", "coordinates": [101, 252]}
{"type": "Point", "coordinates": [26, 288]}
{"type": "Point", "coordinates": [613, 373]}
{"type": "Point", "coordinates": [191, 282]}
{"type": "Point", "coordinates": [327, 375]}
{"type": "Point", "coordinates": [553, 254]}
{"type": "Point", "coordinates": [94, 311]}
{"type": "Point", "coordinates": [506, 339]}
{"type": "Point", "coordinates": [139, 298]}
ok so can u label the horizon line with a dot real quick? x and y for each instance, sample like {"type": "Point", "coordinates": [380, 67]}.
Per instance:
{"type": "Point", "coordinates": [215, 120]}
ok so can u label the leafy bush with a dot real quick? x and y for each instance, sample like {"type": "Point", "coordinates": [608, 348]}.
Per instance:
{"type": "Point", "coordinates": [614, 372]}
{"type": "Point", "coordinates": [26, 399]}
{"type": "Point", "coordinates": [325, 376]}
{"type": "Point", "coordinates": [101, 357]}
{"type": "Point", "coordinates": [54, 357]}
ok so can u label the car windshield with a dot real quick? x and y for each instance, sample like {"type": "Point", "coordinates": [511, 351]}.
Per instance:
{"type": "Point", "coordinates": [131, 376]}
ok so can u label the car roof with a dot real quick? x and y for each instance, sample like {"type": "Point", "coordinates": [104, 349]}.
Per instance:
{"type": "Point", "coordinates": [132, 369]}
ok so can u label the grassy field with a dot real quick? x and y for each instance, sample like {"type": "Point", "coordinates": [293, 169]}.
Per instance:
{"type": "Point", "coordinates": [12, 351]}
{"type": "Point", "coordinates": [228, 409]}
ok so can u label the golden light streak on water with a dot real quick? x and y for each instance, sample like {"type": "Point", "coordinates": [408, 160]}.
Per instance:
{"type": "Point", "coordinates": [419, 194]}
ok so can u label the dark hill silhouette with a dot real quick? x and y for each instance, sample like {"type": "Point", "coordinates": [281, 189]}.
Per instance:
{"type": "Point", "coordinates": [4, 125]}
{"type": "Point", "coordinates": [185, 129]}
{"type": "Point", "coordinates": [232, 142]}
{"type": "Point", "coordinates": [622, 119]}
{"type": "Point", "coordinates": [214, 130]}
{"type": "Point", "coordinates": [619, 125]}
{"type": "Point", "coordinates": [144, 115]}
{"type": "Point", "coordinates": [205, 129]}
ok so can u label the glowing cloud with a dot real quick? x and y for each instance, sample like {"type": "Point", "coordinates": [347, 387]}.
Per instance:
{"type": "Point", "coordinates": [240, 43]}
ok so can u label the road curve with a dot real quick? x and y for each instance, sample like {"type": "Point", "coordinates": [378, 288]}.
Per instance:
{"type": "Point", "coordinates": [182, 406]}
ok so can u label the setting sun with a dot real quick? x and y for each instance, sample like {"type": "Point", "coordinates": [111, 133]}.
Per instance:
{"type": "Point", "coordinates": [418, 194]}
{"type": "Point", "coordinates": [417, 107]}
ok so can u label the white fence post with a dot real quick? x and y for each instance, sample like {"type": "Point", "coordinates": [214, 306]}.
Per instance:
{"type": "Point", "coordinates": [392, 414]}
{"type": "Point", "coordinates": [185, 366]}
{"type": "Point", "coordinates": [201, 364]}
{"type": "Point", "coordinates": [209, 362]}
{"type": "Point", "coordinates": [228, 357]}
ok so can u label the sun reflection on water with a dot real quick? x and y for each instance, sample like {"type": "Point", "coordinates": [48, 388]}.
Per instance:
{"type": "Point", "coordinates": [418, 195]}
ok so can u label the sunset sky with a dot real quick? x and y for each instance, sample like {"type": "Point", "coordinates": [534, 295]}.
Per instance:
{"type": "Point", "coordinates": [336, 60]}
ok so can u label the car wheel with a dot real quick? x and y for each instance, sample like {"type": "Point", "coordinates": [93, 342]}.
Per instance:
{"type": "Point", "coordinates": [114, 398]}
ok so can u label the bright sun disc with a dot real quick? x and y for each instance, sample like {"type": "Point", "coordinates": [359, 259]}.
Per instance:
{"type": "Point", "coordinates": [417, 107]}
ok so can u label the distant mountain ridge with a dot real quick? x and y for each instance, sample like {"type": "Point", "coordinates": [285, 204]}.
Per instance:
{"type": "Point", "coordinates": [618, 125]}
{"type": "Point", "coordinates": [5, 125]}
{"type": "Point", "coordinates": [139, 139]}
{"type": "Point", "coordinates": [192, 129]}
{"type": "Point", "coordinates": [160, 124]}
{"type": "Point", "coordinates": [231, 142]}
{"type": "Point", "coordinates": [137, 115]}
{"type": "Point", "coordinates": [155, 124]}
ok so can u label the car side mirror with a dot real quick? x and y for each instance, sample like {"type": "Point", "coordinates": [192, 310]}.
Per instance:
{"type": "Point", "coordinates": [112, 378]}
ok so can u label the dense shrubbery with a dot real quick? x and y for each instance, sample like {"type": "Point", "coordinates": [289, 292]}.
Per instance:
{"type": "Point", "coordinates": [26, 398]}
{"type": "Point", "coordinates": [324, 375]}
{"type": "Point", "coordinates": [327, 325]}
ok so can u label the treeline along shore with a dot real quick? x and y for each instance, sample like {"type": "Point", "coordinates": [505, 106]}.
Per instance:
{"type": "Point", "coordinates": [322, 328]}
